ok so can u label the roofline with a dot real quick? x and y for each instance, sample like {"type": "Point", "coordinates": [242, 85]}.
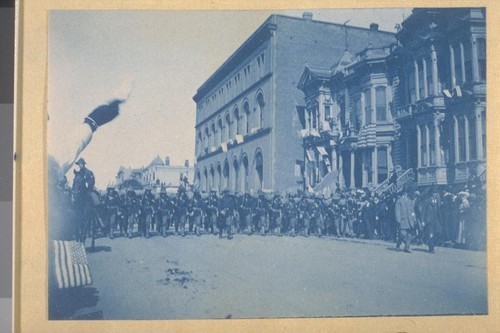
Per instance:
{"type": "Point", "coordinates": [267, 26]}
{"type": "Point", "coordinates": [336, 24]}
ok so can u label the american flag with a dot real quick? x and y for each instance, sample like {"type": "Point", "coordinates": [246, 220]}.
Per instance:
{"type": "Point", "coordinates": [70, 264]}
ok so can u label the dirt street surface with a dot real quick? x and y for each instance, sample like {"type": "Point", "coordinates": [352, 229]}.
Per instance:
{"type": "Point", "coordinates": [255, 277]}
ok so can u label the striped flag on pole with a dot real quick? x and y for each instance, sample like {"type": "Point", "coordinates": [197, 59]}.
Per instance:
{"type": "Point", "coordinates": [70, 264]}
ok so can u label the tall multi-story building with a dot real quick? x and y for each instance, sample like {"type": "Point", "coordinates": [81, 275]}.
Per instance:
{"type": "Point", "coordinates": [418, 105]}
{"type": "Point", "coordinates": [444, 71]}
{"type": "Point", "coordinates": [248, 113]}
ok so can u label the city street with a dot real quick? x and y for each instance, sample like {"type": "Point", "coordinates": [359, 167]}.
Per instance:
{"type": "Point", "coordinates": [255, 277]}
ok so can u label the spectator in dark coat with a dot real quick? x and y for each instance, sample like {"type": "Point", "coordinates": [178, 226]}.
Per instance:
{"type": "Point", "coordinates": [432, 219]}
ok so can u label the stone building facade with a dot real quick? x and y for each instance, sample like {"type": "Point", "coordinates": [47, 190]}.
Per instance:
{"type": "Point", "coordinates": [418, 104]}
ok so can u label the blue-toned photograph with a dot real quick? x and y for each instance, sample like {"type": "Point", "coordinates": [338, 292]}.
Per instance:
{"type": "Point", "coordinates": [266, 164]}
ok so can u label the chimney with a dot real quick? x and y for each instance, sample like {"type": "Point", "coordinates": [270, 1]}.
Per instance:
{"type": "Point", "coordinates": [167, 161]}
{"type": "Point", "coordinates": [374, 27]}
{"type": "Point", "coordinates": [186, 163]}
{"type": "Point", "coordinates": [308, 16]}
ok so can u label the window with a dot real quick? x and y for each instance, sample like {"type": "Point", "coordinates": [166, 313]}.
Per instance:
{"type": "Point", "coordinates": [483, 130]}
{"type": "Point", "coordinates": [382, 164]}
{"type": "Point", "coordinates": [236, 121]}
{"type": "Point", "coordinates": [461, 139]}
{"type": "Point", "coordinates": [213, 143]}
{"type": "Point", "coordinates": [207, 137]}
{"type": "Point", "coordinates": [260, 111]}
{"type": "Point", "coordinates": [457, 55]}
{"type": "Point", "coordinates": [327, 112]}
{"type": "Point", "coordinates": [472, 139]}
{"type": "Point", "coordinates": [368, 107]}
{"type": "Point", "coordinates": [219, 137]}
{"type": "Point", "coordinates": [228, 134]}
{"type": "Point", "coordinates": [423, 145]}
{"type": "Point", "coordinates": [259, 168]}
{"type": "Point", "coordinates": [411, 87]}
{"type": "Point", "coordinates": [355, 113]}
{"type": "Point", "coordinates": [421, 86]}
{"type": "Point", "coordinates": [432, 144]}
{"type": "Point", "coordinates": [430, 85]}
{"type": "Point", "coordinates": [468, 61]}
{"type": "Point", "coordinates": [481, 55]}
{"type": "Point", "coordinates": [246, 109]}
{"type": "Point", "coordinates": [381, 104]}
{"type": "Point", "coordinates": [314, 123]}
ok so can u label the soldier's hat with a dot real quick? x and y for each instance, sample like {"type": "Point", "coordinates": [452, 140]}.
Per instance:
{"type": "Point", "coordinates": [148, 189]}
{"type": "Point", "coordinates": [81, 161]}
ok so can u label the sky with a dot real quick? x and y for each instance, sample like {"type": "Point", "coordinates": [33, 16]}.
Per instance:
{"type": "Point", "coordinates": [168, 55]}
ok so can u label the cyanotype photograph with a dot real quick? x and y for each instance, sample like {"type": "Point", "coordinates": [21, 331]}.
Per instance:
{"type": "Point", "coordinates": [245, 164]}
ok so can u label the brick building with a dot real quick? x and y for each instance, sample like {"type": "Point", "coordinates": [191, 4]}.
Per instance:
{"type": "Point", "coordinates": [248, 113]}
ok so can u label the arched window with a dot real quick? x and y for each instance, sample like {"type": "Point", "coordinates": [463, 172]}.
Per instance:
{"type": "Point", "coordinates": [225, 173]}
{"type": "Point", "coordinates": [235, 176]}
{"type": "Point", "coordinates": [260, 111]}
{"type": "Point", "coordinates": [246, 113]}
{"type": "Point", "coordinates": [200, 142]}
{"type": "Point", "coordinates": [244, 178]}
{"type": "Point", "coordinates": [212, 178]}
{"type": "Point", "coordinates": [259, 170]}
{"type": "Point", "coordinates": [220, 136]}
{"type": "Point", "coordinates": [236, 122]}
{"type": "Point", "coordinates": [213, 139]}
{"type": "Point", "coordinates": [197, 182]}
{"type": "Point", "coordinates": [207, 137]}
{"type": "Point", "coordinates": [227, 129]}
{"type": "Point", "coordinates": [219, 177]}
{"type": "Point", "coordinates": [206, 187]}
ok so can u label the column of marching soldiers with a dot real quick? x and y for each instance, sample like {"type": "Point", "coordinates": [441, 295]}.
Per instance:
{"type": "Point", "coordinates": [458, 221]}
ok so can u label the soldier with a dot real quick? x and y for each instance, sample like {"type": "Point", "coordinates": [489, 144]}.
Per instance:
{"type": "Point", "coordinates": [227, 209]}
{"type": "Point", "coordinates": [247, 207]}
{"type": "Point", "coordinates": [317, 215]}
{"type": "Point", "coordinates": [212, 210]}
{"type": "Point", "coordinates": [111, 202]}
{"type": "Point", "coordinates": [120, 217]}
{"type": "Point", "coordinates": [261, 213]}
{"type": "Point", "coordinates": [304, 215]}
{"type": "Point", "coordinates": [131, 211]}
{"type": "Point", "coordinates": [83, 185]}
{"type": "Point", "coordinates": [367, 217]}
{"type": "Point", "coordinates": [182, 206]}
{"type": "Point", "coordinates": [292, 214]}
{"type": "Point", "coordinates": [165, 208]}
{"type": "Point", "coordinates": [275, 214]}
{"type": "Point", "coordinates": [431, 217]}
{"type": "Point", "coordinates": [197, 207]}
{"type": "Point", "coordinates": [332, 220]}
{"type": "Point", "coordinates": [147, 210]}
{"type": "Point", "coordinates": [380, 210]}
{"type": "Point", "coordinates": [342, 216]}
